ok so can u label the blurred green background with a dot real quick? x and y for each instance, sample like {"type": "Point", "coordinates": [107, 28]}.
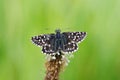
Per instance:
{"type": "Point", "coordinates": [98, 57]}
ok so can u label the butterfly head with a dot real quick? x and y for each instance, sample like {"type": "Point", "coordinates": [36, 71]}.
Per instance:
{"type": "Point", "coordinates": [57, 33]}
{"type": "Point", "coordinates": [57, 30]}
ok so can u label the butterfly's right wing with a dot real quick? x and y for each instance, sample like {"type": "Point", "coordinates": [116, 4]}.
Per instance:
{"type": "Point", "coordinates": [45, 41]}
{"type": "Point", "coordinates": [74, 36]}
{"type": "Point", "coordinates": [70, 47]}
{"type": "Point", "coordinates": [71, 39]}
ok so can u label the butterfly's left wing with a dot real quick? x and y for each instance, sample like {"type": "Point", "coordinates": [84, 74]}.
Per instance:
{"type": "Point", "coordinates": [72, 38]}
{"type": "Point", "coordinates": [45, 41]}
{"type": "Point", "coordinates": [41, 40]}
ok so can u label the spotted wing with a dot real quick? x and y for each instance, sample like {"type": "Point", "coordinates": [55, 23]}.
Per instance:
{"type": "Point", "coordinates": [72, 39]}
{"type": "Point", "coordinates": [45, 41]}
{"type": "Point", "coordinates": [74, 36]}
{"type": "Point", "coordinates": [70, 47]}
{"type": "Point", "coordinates": [41, 40]}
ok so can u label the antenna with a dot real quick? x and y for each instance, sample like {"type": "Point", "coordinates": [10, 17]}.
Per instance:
{"type": "Point", "coordinates": [57, 30]}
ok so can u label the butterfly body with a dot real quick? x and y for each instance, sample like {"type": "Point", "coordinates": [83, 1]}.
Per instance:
{"type": "Point", "coordinates": [59, 42]}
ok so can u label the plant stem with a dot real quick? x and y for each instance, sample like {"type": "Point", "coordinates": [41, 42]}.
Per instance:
{"type": "Point", "coordinates": [54, 67]}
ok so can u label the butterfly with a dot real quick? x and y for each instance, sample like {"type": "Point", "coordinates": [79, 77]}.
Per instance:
{"type": "Point", "coordinates": [65, 42]}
